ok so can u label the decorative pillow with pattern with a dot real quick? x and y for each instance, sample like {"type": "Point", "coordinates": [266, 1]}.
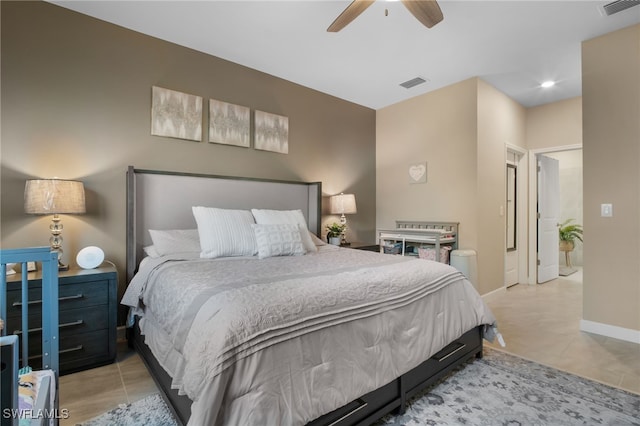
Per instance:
{"type": "Point", "coordinates": [282, 239]}
{"type": "Point", "coordinates": [295, 217]}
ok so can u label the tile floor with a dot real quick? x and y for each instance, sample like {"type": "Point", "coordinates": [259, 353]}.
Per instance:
{"type": "Point", "coordinates": [90, 393]}
{"type": "Point", "coordinates": [540, 323]}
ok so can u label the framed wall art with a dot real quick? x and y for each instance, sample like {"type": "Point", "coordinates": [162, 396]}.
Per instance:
{"type": "Point", "coordinates": [176, 114]}
{"type": "Point", "coordinates": [229, 124]}
{"type": "Point", "coordinates": [271, 132]}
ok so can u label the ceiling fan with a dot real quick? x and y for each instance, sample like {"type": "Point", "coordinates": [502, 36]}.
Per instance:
{"type": "Point", "coordinates": [426, 11]}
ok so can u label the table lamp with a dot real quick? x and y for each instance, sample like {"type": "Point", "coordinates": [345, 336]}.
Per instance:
{"type": "Point", "coordinates": [343, 204]}
{"type": "Point", "coordinates": [54, 196]}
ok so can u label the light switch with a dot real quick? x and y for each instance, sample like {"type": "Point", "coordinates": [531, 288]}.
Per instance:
{"type": "Point", "coordinates": [606, 210]}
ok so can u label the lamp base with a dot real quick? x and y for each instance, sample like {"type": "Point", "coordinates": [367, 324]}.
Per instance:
{"type": "Point", "coordinates": [62, 266]}
{"type": "Point", "coordinates": [343, 221]}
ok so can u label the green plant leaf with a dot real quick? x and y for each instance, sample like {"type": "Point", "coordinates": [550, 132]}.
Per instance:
{"type": "Point", "coordinates": [570, 231]}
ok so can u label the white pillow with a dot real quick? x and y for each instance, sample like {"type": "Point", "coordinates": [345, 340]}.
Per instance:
{"type": "Point", "coordinates": [225, 232]}
{"type": "Point", "coordinates": [151, 251]}
{"type": "Point", "coordinates": [282, 239]}
{"type": "Point", "coordinates": [174, 241]}
{"type": "Point", "coordinates": [295, 217]}
{"type": "Point", "coordinates": [316, 241]}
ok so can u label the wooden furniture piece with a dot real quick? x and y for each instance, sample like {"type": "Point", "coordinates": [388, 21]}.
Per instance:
{"type": "Point", "coordinates": [153, 199]}
{"type": "Point", "coordinates": [88, 316]}
{"type": "Point", "coordinates": [358, 245]}
{"type": "Point", "coordinates": [420, 234]}
{"type": "Point", "coordinates": [46, 315]}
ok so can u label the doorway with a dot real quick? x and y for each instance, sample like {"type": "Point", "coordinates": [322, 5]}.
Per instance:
{"type": "Point", "coordinates": [515, 260]}
{"type": "Point", "coordinates": [571, 203]}
{"type": "Point", "coordinates": [570, 190]}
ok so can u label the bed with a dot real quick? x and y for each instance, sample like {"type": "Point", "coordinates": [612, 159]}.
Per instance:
{"type": "Point", "coordinates": [328, 336]}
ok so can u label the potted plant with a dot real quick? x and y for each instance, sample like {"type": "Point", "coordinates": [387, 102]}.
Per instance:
{"type": "Point", "coordinates": [568, 233]}
{"type": "Point", "coordinates": [334, 233]}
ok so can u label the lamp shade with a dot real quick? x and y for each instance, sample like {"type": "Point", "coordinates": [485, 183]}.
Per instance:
{"type": "Point", "coordinates": [343, 204]}
{"type": "Point", "coordinates": [53, 196]}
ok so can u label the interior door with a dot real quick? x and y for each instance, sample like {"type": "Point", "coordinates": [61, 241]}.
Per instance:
{"type": "Point", "coordinates": [548, 217]}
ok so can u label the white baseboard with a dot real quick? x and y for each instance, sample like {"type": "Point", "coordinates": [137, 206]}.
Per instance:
{"type": "Point", "coordinates": [497, 290]}
{"type": "Point", "coordinates": [619, 333]}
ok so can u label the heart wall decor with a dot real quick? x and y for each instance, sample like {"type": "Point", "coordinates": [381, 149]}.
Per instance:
{"type": "Point", "coordinates": [418, 173]}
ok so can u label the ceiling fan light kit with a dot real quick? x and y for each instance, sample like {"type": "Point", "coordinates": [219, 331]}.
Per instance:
{"type": "Point", "coordinates": [428, 12]}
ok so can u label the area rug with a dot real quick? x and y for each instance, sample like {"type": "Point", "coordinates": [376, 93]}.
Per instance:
{"type": "Point", "coordinates": [499, 389]}
{"type": "Point", "coordinates": [151, 411]}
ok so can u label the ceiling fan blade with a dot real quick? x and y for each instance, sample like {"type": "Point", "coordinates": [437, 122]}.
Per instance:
{"type": "Point", "coordinates": [349, 14]}
{"type": "Point", "coordinates": [426, 11]}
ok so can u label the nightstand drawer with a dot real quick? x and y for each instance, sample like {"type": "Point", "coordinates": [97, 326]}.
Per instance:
{"type": "Point", "coordinates": [69, 296]}
{"type": "Point", "coordinates": [72, 321]}
{"type": "Point", "coordinates": [84, 350]}
{"type": "Point", "coordinates": [76, 351]}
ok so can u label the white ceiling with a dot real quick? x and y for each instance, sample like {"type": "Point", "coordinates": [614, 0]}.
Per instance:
{"type": "Point", "coordinates": [513, 45]}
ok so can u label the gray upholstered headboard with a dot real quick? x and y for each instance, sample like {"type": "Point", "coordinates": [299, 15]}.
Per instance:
{"type": "Point", "coordinates": [163, 200]}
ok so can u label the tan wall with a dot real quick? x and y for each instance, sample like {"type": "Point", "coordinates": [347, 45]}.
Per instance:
{"type": "Point", "coordinates": [461, 132]}
{"type": "Point", "coordinates": [76, 96]}
{"type": "Point", "coordinates": [611, 153]}
{"type": "Point", "coordinates": [555, 124]}
{"type": "Point", "coordinates": [438, 128]}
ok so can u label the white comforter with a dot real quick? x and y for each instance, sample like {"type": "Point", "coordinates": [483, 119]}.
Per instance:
{"type": "Point", "coordinates": [285, 340]}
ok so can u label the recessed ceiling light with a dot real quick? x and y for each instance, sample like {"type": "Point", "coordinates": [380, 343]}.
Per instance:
{"type": "Point", "coordinates": [548, 84]}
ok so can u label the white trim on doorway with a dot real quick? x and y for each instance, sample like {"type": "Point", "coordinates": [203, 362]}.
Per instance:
{"type": "Point", "coordinates": [533, 194]}
{"type": "Point", "coordinates": [521, 223]}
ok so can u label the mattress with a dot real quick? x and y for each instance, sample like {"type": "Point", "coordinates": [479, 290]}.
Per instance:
{"type": "Point", "coordinates": [284, 340]}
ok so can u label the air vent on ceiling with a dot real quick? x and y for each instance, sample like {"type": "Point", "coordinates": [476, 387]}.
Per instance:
{"type": "Point", "coordinates": [619, 6]}
{"type": "Point", "coordinates": [413, 82]}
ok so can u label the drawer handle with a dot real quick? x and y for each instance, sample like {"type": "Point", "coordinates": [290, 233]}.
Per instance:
{"type": "Point", "coordinates": [66, 324]}
{"type": "Point", "coordinates": [74, 349]}
{"type": "Point", "coordinates": [60, 299]}
{"type": "Point", "coordinates": [64, 351]}
{"type": "Point", "coordinates": [355, 410]}
{"type": "Point", "coordinates": [458, 349]}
